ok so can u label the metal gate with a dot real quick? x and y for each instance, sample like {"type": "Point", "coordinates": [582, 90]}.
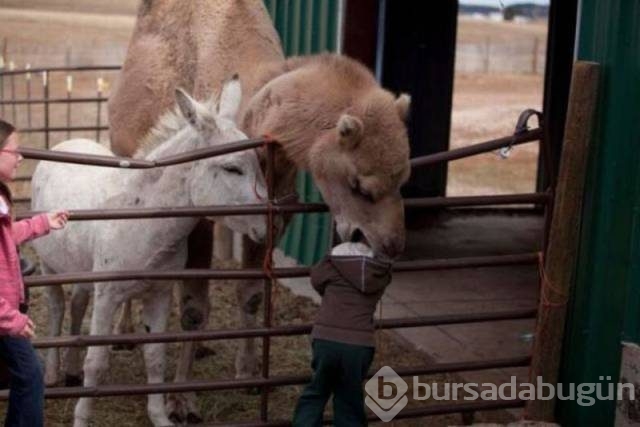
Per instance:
{"type": "Point", "coordinates": [270, 208]}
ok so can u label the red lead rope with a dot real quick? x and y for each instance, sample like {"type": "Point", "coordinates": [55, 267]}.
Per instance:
{"type": "Point", "coordinates": [267, 263]}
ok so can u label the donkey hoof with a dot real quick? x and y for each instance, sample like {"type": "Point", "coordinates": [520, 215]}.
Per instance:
{"type": "Point", "coordinates": [72, 380]}
{"type": "Point", "coordinates": [203, 351]}
{"type": "Point", "coordinates": [123, 347]}
{"type": "Point", "coordinates": [193, 418]}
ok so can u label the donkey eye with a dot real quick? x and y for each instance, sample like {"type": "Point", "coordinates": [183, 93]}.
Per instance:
{"type": "Point", "coordinates": [233, 169]}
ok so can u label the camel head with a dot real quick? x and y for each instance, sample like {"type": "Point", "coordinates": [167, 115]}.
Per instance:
{"type": "Point", "coordinates": [359, 167]}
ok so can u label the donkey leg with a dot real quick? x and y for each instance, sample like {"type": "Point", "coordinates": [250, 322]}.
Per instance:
{"type": "Point", "coordinates": [73, 366]}
{"type": "Point", "coordinates": [155, 314]}
{"type": "Point", "coordinates": [194, 309]}
{"type": "Point", "coordinates": [249, 294]}
{"type": "Point", "coordinates": [184, 407]}
{"type": "Point", "coordinates": [55, 297]}
{"type": "Point", "coordinates": [97, 360]}
{"type": "Point", "coordinates": [124, 325]}
{"type": "Point", "coordinates": [194, 298]}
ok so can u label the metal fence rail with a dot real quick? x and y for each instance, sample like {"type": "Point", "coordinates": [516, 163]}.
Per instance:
{"type": "Point", "coordinates": [271, 208]}
{"type": "Point", "coordinates": [276, 381]}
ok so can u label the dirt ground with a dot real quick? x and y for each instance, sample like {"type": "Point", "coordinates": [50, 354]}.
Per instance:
{"type": "Point", "coordinates": [289, 356]}
{"type": "Point", "coordinates": [487, 107]}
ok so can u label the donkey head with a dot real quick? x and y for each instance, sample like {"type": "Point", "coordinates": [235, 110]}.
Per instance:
{"type": "Point", "coordinates": [229, 179]}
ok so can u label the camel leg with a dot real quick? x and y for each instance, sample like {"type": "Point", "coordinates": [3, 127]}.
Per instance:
{"type": "Point", "coordinates": [73, 366]}
{"type": "Point", "coordinates": [97, 360]}
{"type": "Point", "coordinates": [155, 314]}
{"type": "Point", "coordinates": [250, 295]}
{"type": "Point", "coordinates": [124, 325]}
{"type": "Point", "coordinates": [55, 298]}
{"type": "Point", "coordinates": [194, 309]}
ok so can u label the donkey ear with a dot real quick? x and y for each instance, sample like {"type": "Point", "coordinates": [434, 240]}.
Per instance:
{"type": "Point", "coordinates": [350, 130]}
{"type": "Point", "coordinates": [230, 98]}
{"type": "Point", "coordinates": [403, 105]}
{"type": "Point", "coordinates": [191, 109]}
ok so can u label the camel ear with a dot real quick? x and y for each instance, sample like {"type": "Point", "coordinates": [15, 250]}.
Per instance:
{"type": "Point", "coordinates": [403, 105]}
{"type": "Point", "coordinates": [230, 98]}
{"type": "Point", "coordinates": [350, 130]}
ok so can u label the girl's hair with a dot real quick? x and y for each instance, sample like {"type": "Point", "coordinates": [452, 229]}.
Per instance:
{"type": "Point", "coordinates": [6, 129]}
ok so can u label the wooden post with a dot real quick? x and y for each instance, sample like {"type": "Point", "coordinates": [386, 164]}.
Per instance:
{"type": "Point", "coordinates": [562, 250]}
{"type": "Point", "coordinates": [487, 55]}
{"type": "Point", "coordinates": [534, 61]}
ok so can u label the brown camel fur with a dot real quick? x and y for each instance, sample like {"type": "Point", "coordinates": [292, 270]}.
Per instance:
{"type": "Point", "coordinates": [327, 112]}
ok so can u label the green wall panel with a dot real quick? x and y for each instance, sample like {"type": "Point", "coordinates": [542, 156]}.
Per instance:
{"type": "Point", "coordinates": [306, 27]}
{"type": "Point", "coordinates": [605, 307]}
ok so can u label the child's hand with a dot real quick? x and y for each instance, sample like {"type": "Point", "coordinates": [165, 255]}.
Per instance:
{"type": "Point", "coordinates": [58, 219]}
{"type": "Point", "coordinates": [28, 331]}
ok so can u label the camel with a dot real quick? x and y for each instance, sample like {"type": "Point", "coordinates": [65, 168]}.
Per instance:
{"type": "Point", "coordinates": [327, 113]}
{"type": "Point", "coordinates": [153, 244]}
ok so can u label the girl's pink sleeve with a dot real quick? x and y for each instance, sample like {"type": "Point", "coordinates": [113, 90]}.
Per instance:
{"type": "Point", "coordinates": [11, 320]}
{"type": "Point", "coordinates": [31, 228]}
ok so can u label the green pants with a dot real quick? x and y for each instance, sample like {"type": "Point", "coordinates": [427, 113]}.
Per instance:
{"type": "Point", "coordinates": [338, 369]}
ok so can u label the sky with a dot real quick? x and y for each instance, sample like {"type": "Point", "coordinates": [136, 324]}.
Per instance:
{"type": "Point", "coordinates": [496, 3]}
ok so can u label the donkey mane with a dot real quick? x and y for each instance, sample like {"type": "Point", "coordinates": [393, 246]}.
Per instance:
{"type": "Point", "coordinates": [169, 124]}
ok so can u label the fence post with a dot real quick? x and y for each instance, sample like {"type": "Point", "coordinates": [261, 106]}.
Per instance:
{"type": "Point", "coordinates": [69, 89]}
{"type": "Point", "coordinates": [487, 54]}
{"type": "Point", "coordinates": [100, 83]}
{"type": "Point", "coordinates": [556, 269]}
{"type": "Point", "coordinates": [268, 283]}
{"type": "Point", "coordinates": [45, 91]}
{"type": "Point", "coordinates": [28, 87]}
{"type": "Point", "coordinates": [12, 85]}
{"type": "Point", "coordinates": [534, 62]}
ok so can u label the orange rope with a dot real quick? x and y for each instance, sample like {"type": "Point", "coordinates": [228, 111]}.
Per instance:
{"type": "Point", "coordinates": [546, 287]}
{"type": "Point", "coordinates": [267, 263]}
{"type": "Point", "coordinates": [546, 284]}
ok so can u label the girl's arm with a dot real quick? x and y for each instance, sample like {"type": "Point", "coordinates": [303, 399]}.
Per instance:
{"type": "Point", "coordinates": [12, 322]}
{"type": "Point", "coordinates": [30, 228]}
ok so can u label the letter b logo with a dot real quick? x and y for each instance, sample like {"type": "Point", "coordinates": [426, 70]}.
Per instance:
{"type": "Point", "coordinates": [386, 394]}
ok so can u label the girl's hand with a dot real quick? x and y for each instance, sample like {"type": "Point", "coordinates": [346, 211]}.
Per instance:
{"type": "Point", "coordinates": [58, 219]}
{"type": "Point", "coordinates": [28, 331]}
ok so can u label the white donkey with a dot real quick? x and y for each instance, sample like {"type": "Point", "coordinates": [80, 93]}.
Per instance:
{"type": "Point", "coordinates": [150, 244]}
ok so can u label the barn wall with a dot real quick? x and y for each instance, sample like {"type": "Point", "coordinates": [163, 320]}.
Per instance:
{"type": "Point", "coordinates": [605, 308]}
{"type": "Point", "coordinates": [307, 27]}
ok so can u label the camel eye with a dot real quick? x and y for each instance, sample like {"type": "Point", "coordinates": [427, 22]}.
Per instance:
{"type": "Point", "coordinates": [366, 196]}
{"type": "Point", "coordinates": [233, 169]}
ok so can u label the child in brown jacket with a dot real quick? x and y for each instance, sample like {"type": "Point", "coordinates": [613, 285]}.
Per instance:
{"type": "Point", "coordinates": [351, 283]}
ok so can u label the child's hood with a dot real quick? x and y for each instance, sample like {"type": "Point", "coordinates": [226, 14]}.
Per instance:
{"type": "Point", "coordinates": [366, 274]}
